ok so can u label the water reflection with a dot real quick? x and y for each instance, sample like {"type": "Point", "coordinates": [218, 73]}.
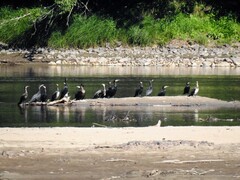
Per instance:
{"type": "Point", "coordinates": [83, 116]}
{"type": "Point", "coordinates": [69, 71]}
{"type": "Point", "coordinates": [14, 78]}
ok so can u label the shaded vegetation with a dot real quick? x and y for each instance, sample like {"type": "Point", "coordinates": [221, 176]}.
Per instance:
{"type": "Point", "coordinates": [82, 24]}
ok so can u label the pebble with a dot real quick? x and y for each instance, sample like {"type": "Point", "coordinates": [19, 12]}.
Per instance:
{"type": "Point", "coordinates": [171, 55]}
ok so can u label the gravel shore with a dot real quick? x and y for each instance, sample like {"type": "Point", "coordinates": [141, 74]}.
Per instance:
{"type": "Point", "coordinates": [176, 54]}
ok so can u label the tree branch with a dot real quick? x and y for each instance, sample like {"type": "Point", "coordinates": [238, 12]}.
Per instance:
{"type": "Point", "coordinates": [17, 18]}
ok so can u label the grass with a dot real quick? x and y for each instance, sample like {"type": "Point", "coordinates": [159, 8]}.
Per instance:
{"type": "Point", "coordinates": [85, 32]}
{"type": "Point", "coordinates": [96, 31]}
{"type": "Point", "coordinates": [14, 22]}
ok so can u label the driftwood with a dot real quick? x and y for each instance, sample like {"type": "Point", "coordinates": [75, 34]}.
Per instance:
{"type": "Point", "coordinates": [99, 125]}
{"type": "Point", "coordinates": [64, 100]}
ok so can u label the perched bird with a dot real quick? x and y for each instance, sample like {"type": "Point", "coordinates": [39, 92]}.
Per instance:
{"type": "Point", "coordinates": [30, 55]}
{"type": "Point", "coordinates": [43, 92]}
{"type": "Point", "coordinates": [162, 91]}
{"type": "Point", "coordinates": [24, 96]}
{"type": "Point", "coordinates": [80, 94]}
{"type": "Point", "coordinates": [150, 88]}
{"type": "Point", "coordinates": [38, 96]}
{"type": "Point", "coordinates": [186, 88]}
{"type": "Point", "coordinates": [56, 94]}
{"type": "Point", "coordinates": [109, 90]}
{"type": "Point", "coordinates": [101, 93]}
{"type": "Point", "coordinates": [64, 91]}
{"type": "Point", "coordinates": [195, 90]}
{"type": "Point", "coordinates": [112, 90]}
{"type": "Point", "coordinates": [139, 90]}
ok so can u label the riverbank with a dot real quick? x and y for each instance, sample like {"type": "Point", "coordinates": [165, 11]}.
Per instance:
{"type": "Point", "coordinates": [124, 153]}
{"type": "Point", "coordinates": [175, 54]}
{"type": "Point", "coordinates": [120, 153]}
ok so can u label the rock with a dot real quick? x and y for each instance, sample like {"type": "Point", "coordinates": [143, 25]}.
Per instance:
{"type": "Point", "coordinates": [223, 64]}
{"type": "Point", "coordinates": [58, 62]}
{"type": "Point", "coordinates": [236, 61]}
{"type": "Point", "coordinates": [52, 63]}
{"type": "Point", "coordinates": [206, 64]}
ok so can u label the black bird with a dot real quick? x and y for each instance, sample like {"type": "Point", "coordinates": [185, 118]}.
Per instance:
{"type": "Point", "coordinates": [186, 88]}
{"type": "Point", "coordinates": [64, 91]}
{"type": "Point", "coordinates": [56, 94]}
{"type": "Point", "coordinates": [195, 90]}
{"type": "Point", "coordinates": [112, 90]}
{"type": "Point", "coordinates": [43, 92]}
{"type": "Point", "coordinates": [109, 90]}
{"type": "Point", "coordinates": [150, 88]}
{"type": "Point", "coordinates": [139, 90]}
{"type": "Point", "coordinates": [101, 93]}
{"type": "Point", "coordinates": [24, 96]}
{"type": "Point", "coordinates": [30, 55]}
{"type": "Point", "coordinates": [38, 96]}
{"type": "Point", "coordinates": [80, 94]}
{"type": "Point", "coordinates": [162, 91]}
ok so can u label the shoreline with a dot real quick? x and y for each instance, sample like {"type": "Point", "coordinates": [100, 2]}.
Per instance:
{"type": "Point", "coordinates": [176, 54]}
{"type": "Point", "coordinates": [134, 153]}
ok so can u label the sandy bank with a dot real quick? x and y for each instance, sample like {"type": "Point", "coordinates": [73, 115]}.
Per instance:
{"type": "Point", "coordinates": [90, 137]}
{"type": "Point", "coordinates": [120, 153]}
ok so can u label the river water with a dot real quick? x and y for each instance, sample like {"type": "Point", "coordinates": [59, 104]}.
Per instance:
{"type": "Point", "coordinates": [220, 83]}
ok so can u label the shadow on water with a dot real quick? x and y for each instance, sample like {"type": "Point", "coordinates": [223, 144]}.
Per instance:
{"type": "Point", "coordinates": [220, 83]}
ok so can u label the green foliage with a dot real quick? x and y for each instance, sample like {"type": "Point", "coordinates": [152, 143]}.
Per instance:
{"type": "Point", "coordinates": [197, 24]}
{"type": "Point", "coordinates": [14, 22]}
{"type": "Point", "coordinates": [85, 32]}
{"type": "Point", "coordinates": [203, 29]}
{"type": "Point", "coordinates": [65, 5]}
{"type": "Point", "coordinates": [94, 31]}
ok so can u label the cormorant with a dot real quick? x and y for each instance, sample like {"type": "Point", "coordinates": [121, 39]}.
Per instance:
{"type": "Point", "coordinates": [43, 94]}
{"type": "Point", "coordinates": [56, 94]}
{"type": "Point", "coordinates": [150, 88]}
{"type": "Point", "coordinates": [80, 94]}
{"type": "Point", "coordinates": [37, 97]}
{"type": "Point", "coordinates": [24, 96]}
{"type": "Point", "coordinates": [109, 90]}
{"type": "Point", "coordinates": [101, 93]}
{"type": "Point", "coordinates": [163, 91]}
{"type": "Point", "coordinates": [64, 91]}
{"type": "Point", "coordinates": [30, 55]}
{"type": "Point", "coordinates": [186, 88]}
{"type": "Point", "coordinates": [112, 91]}
{"type": "Point", "coordinates": [139, 90]}
{"type": "Point", "coordinates": [194, 90]}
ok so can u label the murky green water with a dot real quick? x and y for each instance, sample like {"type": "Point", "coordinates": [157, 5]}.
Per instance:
{"type": "Point", "coordinates": [219, 83]}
